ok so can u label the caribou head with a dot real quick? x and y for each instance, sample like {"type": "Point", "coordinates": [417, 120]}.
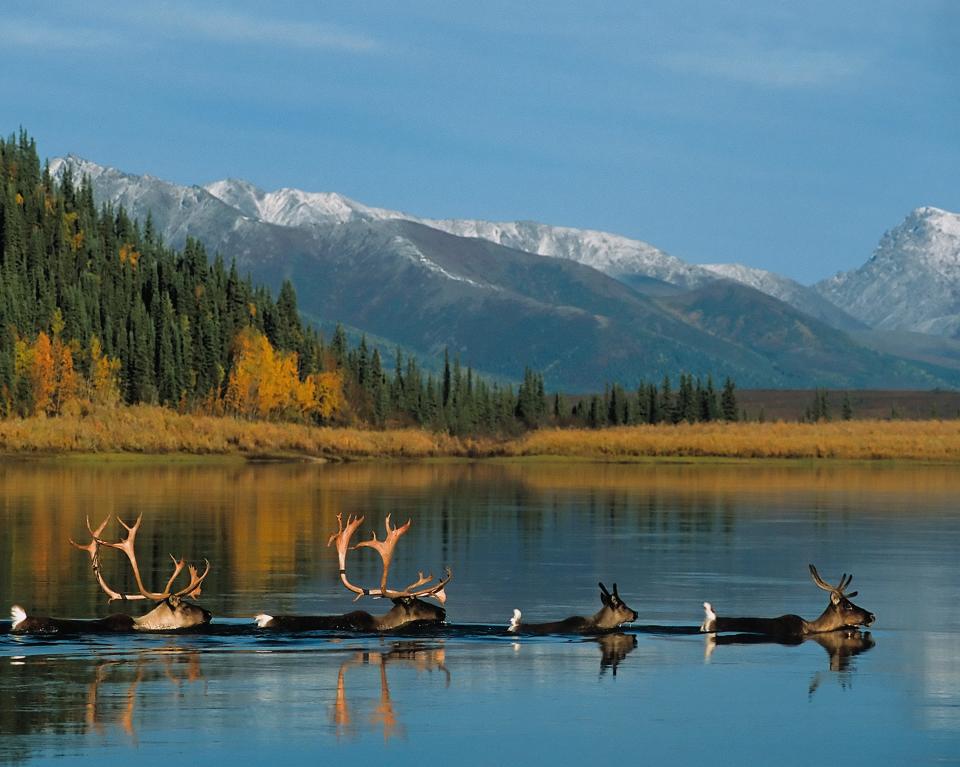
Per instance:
{"type": "Point", "coordinates": [172, 610]}
{"type": "Point", "coordinates": [841, 612]}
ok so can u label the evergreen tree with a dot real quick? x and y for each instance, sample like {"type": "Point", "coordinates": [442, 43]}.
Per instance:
{"type": "Point", "coordinates": [613, 406]}
{"type": "Point", "coordinates": [846, 407]}
{"type": "Point", "coordinates": [728, 401]}
{"type": "Point", "coordinates": [531, 401]}
{"type": "Point", "coordinates": [665, 405]}
{"type": "Point", "coordinates": [595, 416]}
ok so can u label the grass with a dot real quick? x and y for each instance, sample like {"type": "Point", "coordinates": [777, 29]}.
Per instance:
{"type": "Point", "coordinates": [128, 432]}
{"type": "Point", "coordinates": [847, 440]}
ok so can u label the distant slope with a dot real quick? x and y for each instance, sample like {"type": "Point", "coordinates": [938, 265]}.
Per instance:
{"type": "Point", "coordinates": [919, 347]}
{"type": "Point", "coordinates": [801, 297]}
{"type": "Point", "coordinates": [499, 308]}
{"type": "Point", "coordinates": [797, 345]}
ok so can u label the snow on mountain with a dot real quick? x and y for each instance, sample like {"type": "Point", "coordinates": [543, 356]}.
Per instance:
{"type": "Point", "coordinates": [616, 256]}
{"type": "Point", "coordinates": [176, 211]}
{"type": "Point", "coordinates": [912, 280]}
{"type": "Point", "coordinates": [293, 207]}
{"type": "Point", "coordinates": [760, 279]}
{"type": "Point", "coordinates": [619, 257]}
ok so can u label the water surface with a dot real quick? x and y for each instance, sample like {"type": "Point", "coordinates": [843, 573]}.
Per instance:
{"type": "Point", "coordinates": [533, 536]}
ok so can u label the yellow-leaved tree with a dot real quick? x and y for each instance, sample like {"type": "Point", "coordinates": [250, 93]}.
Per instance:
{"type": "Point", "coordinates": [104, 376]}
{"type": "Point", "coordinates": [43, 376]}
{"type": "Point", "coordinates": [328, 393]}
{"type": "Point", "coordinates": [264, 383]}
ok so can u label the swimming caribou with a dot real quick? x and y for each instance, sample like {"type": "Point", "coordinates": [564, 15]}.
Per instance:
{"type": "Point", "coordinates": [612, 615]}
{"type": "Point", "coordinates": [408, 604]}
{"type": "Point", "coordinates": [171, 612]}
{"type": "Point", "coordinates": [840, 613]}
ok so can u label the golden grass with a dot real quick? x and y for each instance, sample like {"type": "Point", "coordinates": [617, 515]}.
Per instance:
{"type": "Point", "coordinates": [848, 440]}
{"type": "Point", "coordinates": [155, 430]}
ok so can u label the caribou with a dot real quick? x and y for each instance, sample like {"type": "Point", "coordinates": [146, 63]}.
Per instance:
{"type": "Point", "coordinates": [840, 613]}
{"type": "Point", "coordinates": [171, 612]}
{"type": "Point", "coordinates": [409, 608]}
{"type": "Point", "coordinates": [613, 614]}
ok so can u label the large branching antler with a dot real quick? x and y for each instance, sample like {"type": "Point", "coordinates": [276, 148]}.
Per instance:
{"type": "Point", "coordinates": [126, 545]}
{"type": "Point", "coordinates": [93, 549]}
{"type": "Point", "coordinates": [839, 589]}
{"type": "Point", "coordinates": [385, 549]}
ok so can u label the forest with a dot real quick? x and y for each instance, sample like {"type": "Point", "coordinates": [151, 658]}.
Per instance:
{"type": "Point", "coordinates": [96, 311]}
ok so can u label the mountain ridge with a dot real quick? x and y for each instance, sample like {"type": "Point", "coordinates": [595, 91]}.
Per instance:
{"type": "Point", "coordinates": [500, 306]}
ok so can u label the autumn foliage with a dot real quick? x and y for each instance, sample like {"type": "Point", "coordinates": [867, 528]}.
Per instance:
{"type": "Point", "coordinates": [48, 381]}
{"type": "Point", "coordinates": [265, 383]}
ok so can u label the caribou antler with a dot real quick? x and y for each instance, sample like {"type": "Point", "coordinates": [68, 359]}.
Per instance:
{"type": "Point", "coordinates": [193, 589]}
{"type": "Point", "coordinates": [93, 549]}
{"type": "Point", "coordinates": [839, 589]}
{"type": "Point", "coordinates": [385, 549]}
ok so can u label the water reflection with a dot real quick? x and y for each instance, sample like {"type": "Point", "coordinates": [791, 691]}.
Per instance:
{"type": "Point", "coordinates": [841, 647]}
{"type": "Point", "coordinates": [116, 706]}
{"type": "Point", "coordinates": [44, 695]}
{"type": "Point", "coordinates": [613, 649]}
{"type": "Point", "coordinates": [420, 657]}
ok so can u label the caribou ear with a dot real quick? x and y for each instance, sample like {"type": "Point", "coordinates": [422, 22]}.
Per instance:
{"type": "Point", "coordinates": [834, 598]}
{"type": "Point", "coordinates": [852, 594]}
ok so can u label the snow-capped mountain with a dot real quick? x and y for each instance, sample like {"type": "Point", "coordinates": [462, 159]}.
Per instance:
{"type": "Point", "coordinates": [293, 207]}
{"type": "Point", "coordinates": [619, 257]}
{"type": "Point", "coordinates": [584, 307]}
{"type": "Point", "coordinates": [912, 280]}
{"type": "Point", "coordinates": [176, 211]}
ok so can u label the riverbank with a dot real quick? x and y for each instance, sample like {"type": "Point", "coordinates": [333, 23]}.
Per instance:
{"type": "Point", "coordinates": [144, 430]}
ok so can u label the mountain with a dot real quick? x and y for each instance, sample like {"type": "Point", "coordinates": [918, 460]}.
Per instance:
{"type": "Point", "coordinates": [797, 345]}
{"type": "Point", "coordinates": [912, 280]}
{"type": "Point", "coordinates": [620, 257]}
{"type": "Point", "coordinates": [805, 299]}
{"type": "Point", "coordinates": [499, 308]}
{"type": "Point", "coordinates": [293, 207]}
{"type": "Point", "coordinates": [418, 284]}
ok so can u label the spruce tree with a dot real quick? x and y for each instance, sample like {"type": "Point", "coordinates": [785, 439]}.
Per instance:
{"type": "Point", "coordinates": [728, 401]}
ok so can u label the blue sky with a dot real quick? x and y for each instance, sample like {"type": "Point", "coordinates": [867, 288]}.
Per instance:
{"type": "Point", "coordinates": [782, 135]}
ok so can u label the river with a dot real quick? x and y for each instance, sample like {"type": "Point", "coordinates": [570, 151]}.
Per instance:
{"type": "Point", "coordinates": [534, 536]}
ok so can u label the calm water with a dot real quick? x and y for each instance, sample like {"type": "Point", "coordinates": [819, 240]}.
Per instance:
{"type": "Point", "coordinates": [534, 537]}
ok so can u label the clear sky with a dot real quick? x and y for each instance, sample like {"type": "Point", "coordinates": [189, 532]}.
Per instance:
{"type": "Point", "coordinates": [782, 135]}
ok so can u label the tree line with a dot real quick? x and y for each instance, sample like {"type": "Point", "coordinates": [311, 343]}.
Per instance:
{"type": "Point", "coordinates": [96, 310]}
{"type": "Point", "coordinates": [693, 400]}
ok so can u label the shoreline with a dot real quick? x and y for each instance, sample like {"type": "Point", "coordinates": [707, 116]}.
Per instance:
{"type": "Point", "coordinates": [149, 433]}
